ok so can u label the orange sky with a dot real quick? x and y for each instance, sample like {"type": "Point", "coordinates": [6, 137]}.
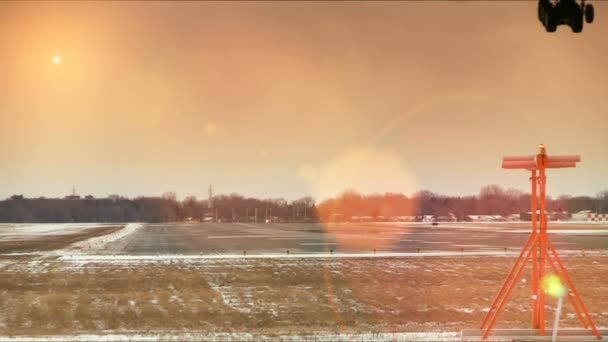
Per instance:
{"type": "Point", "coordinates": [289, 99]}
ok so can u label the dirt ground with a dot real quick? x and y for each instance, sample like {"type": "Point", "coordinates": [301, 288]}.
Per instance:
{"type": "Point", "coordinates": [42, 296]}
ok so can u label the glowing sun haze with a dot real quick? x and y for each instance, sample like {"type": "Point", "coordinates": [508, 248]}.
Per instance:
{"type": "Point", "coordinates": [286, 99]}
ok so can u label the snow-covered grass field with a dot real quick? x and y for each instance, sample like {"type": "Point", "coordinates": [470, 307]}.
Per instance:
{"type": "Point", "coordinates": [74, 288]}
{"type": "Point", "coordinates": [273, 296]}
{"type": "Point", "coordinates": [328, 336]}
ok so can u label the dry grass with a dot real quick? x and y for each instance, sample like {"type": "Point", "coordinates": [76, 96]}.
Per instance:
{"type": "Point", "coordinates": [272, 296]}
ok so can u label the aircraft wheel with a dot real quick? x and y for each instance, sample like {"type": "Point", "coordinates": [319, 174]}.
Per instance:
{"type": "Point", "coordinates": [541, 10]}
{"type": "Point", "coordinates": [543, 7]}
{"type": "Point", "coordinates": [550, 24]}
{"type": "Point", "coordinates": [589, 13]}
{"type": "Point", "coordinates": [577, 26]}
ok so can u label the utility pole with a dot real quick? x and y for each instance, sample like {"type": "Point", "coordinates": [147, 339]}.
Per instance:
{"type": "Point", "coordinates": [255, 211]}
{"type": "Point", "coordinates": [247, 214]}
{"type": "Point", "coordinates": [210, 204]}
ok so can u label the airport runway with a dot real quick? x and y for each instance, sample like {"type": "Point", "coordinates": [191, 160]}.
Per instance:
{"type": "Point", "coordinates": [237, 238]}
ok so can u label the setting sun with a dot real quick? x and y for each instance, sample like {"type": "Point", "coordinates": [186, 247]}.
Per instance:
{"type": "Point", "coordinates": [56, 59]}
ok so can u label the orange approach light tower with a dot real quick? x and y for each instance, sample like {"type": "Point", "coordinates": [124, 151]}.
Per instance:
{"type": "Point", "coordinates": [538, 247]}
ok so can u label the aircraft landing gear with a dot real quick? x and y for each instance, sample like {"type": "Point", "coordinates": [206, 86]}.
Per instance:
{"type": "Point", "coordinates": [544, 6]}
{"type": "Point", "coordinates": [577, 24]}
{"type": "Point", "coordinates": [548, 16]}
{"type": "Point", "coordinates": [589, 13]}
{"type": "Point", "coordinates": [550, 24]}
{"type": "Point", "coordinates": [565, 12]}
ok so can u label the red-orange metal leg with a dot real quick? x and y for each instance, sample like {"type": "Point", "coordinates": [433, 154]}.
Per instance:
{"type": "Point", "coordinates": [573, 288]}
{"type": "Point", "coordinates": [507, 281]}
{"type": "Point", "coordinates": [541, 293]}
{"type": "Point", "coordinates": [541, 162]}
{"type": "Point", "coordinates": [535, 282]}
{"type": "Point", "coordinates": [508, 293]}
{"type": "Point", "coordinates": [535, 279]}
{"type": "Point", "coordinates": [570, 294]}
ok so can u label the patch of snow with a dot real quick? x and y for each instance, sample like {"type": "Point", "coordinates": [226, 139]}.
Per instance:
{"type": "Point", "coordinates": [207, 336]}
{"type": "Point", "coordinates": [124, 257]}
{"type": "Point", "coordinates": [97, 243]}
{"type": "Point", "coordinates": [465, 310]}
{"type": "Point", "coordinates": [579, 231]}
{"type": "Point", "coordinates": [176, 299]}
{"type": "Point", "coordinates": [23, 254]}
{"type": "Point", "coordinates": [20, 230]}
{"type": "Point", "coordinates": [228, 298]}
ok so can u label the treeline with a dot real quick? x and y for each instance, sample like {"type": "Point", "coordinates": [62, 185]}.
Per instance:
{"type": "Point", "coordinates": [155, 209]}
{"type": "Point", "coordinates": [492, 200]}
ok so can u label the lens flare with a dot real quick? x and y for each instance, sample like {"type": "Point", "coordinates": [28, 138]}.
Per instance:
{"type": "Point", "coordinates": [552, 285]}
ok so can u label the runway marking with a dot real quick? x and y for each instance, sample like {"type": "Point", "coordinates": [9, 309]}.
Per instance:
{"type": "Point", "coordinates": [249, 225]}
{"type": "Point", "coordinates": [472, 246]}
{"type": "Point", "coordinates": [126, 258]}
{"type": "Point", "coordinates": [235, 236]}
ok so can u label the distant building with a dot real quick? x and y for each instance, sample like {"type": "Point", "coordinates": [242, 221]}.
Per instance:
{"type": "Point", "coordinates": [582, 215]}
{"type": "Point", "coordinates": [597, 217]}
{"type": "Point", "coordinates": [428, 218]}
{"type": "Point", "coordinates": [333, 218]}
{"type": "Point", "coordinates": [484, 218]}
{"type": "Point", "coordinates": [402, 218]}
{"type": "Point", "coordinates": [587, 215]}
{"type": "Point", "coordinates": [554, 216]}
{"type": "Point", "coordinates": [513, 218]}
{"type": "Point", "coordinates": [208, 216]}
{"type": "Point", "coordinates": [113, 198]}
{"type": "Point", "coordinates": [528, 216]}
{"type": "Point", "coordinates": [73, 196]}
{"type": "Point", "coordinates": [475, 218]}
{"type": "Point", "coordinates": [449, 218]}
{"type": "Point", "coordinates": [560, 216]}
